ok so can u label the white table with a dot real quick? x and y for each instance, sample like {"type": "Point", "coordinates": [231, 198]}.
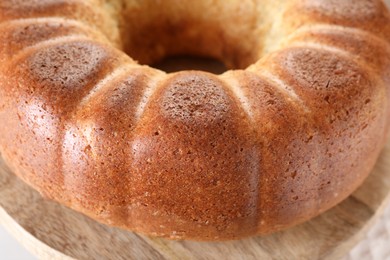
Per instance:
{"type": "Point", "coordinates": [10, 249]}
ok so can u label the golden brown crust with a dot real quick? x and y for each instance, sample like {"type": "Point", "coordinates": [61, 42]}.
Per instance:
{"type": "Point", "coordinates": [194, 155]}
{"type": "Point", "coordinates": [348, 113]}
{"type": "Point", "coordinates": [83, 11]}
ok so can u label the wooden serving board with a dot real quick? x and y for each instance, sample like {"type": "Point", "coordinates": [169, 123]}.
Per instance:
{"type": "Point", "coordinates": [51, 231]}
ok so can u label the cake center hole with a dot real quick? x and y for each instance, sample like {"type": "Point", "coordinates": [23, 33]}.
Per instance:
{"type": "Point", "coordinates": [173, 37]}
{"type": "Point", "coordinates": [188, 62]}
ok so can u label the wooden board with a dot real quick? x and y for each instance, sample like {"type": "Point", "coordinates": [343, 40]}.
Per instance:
{"type": "Point", "coordinates": [51, 231]}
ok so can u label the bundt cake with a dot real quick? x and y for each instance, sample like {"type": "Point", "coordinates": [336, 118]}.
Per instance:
{"type": "Point", "coordinates": [291, 130]}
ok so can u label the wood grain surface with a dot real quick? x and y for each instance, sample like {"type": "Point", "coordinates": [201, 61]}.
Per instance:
{"type": "Point", "coordinates": [51, 231]}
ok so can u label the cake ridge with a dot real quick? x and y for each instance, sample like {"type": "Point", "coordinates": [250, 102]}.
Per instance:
{"type": "Point", "coordinates": [57, 41]}
{"type": "Point", "coordinates": [54, 19]}
{"type": "Point", "coordinates": [361, 62]}
{"type": "Point", "coordinates": [155, 82]}
{"type": "Point", "coordinates": [322, 47]}
{"type": "Point", "coordinates": [314, 28]}
{"type": "Point", "coordinates": [280, 85]}
{"type": "Point", "coordinates": [118, 73]}
{"type": "Point", "coordinates": [232, 83]}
